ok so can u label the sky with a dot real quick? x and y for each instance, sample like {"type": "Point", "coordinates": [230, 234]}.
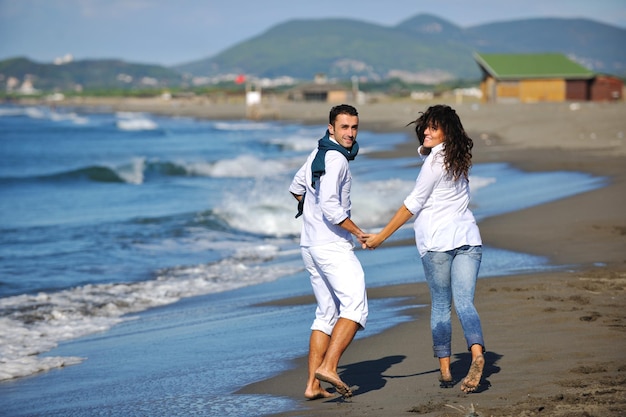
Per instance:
{"type": "Point", "coordinates": [170, 32]}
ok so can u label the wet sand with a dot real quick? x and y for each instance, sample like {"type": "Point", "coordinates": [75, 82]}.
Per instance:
{"type": "Point", "coordinates": [555, 340]}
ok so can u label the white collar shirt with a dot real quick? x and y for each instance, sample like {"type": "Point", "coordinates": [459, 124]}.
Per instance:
{"type": "Point", "coordinates": [328, 204]}
{"type": "Point", "coordinates": [441, 204]}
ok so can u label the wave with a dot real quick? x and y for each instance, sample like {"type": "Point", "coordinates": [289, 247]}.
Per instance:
{"type": "Point", "coordinates": [247, 166]}
{"type": "Point", "coordinates": [243, 126]}
{"type": "Point", "coordinates": [131, 173]}
{"type": "Point", "coordinates": [476, 182]}
{"type": "Point", "coordinates": [11, 111]}
{"type": "Point", "coordinates": [301, 141]}
{"type": "Point", "coordinates": [126, 121]}
{"type": "Point", "coordinates": [138, 169]}
{"type": "Point", "coordinates": [137, 124]}
{"type": "Point", "coordinates": [41, 112]}
{"type": "Point", "coordinates": [96, 173]}
{"type": "Point", "coordinates": [35, 324]}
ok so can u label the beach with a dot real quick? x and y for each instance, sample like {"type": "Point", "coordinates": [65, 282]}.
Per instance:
{"type": "Point", "coordinates": [554, 340]}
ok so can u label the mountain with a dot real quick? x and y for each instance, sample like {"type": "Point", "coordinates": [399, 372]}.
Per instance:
{"type": "Point", "coordinates": [89, 74]}
{"type": "Point", "coordinates": [340, 48]}
{"type": "Point", "coordinates": [423, 47]}
{"type": "Point", "coordinates": [595, 45]}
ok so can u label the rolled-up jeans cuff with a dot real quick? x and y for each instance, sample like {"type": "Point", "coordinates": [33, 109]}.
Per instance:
{"type": "Point", "coordinates": [471, 341]}
{"type": "Point", "coordinates": [442, 351]}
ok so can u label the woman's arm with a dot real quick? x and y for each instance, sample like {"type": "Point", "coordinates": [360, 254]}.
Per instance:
{"type": "Point", "coordinates": [376, 239]}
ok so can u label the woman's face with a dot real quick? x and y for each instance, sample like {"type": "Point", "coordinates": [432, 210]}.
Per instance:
{"type": "Point", "coordinates": [433, 137]}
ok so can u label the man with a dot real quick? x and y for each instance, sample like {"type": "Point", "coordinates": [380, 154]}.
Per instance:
{"type": "Point", "coordinates": [322, 188]}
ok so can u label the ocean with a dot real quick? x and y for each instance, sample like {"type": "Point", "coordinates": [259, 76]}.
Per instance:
{"type": "Point", "coordinates": [136, 251]}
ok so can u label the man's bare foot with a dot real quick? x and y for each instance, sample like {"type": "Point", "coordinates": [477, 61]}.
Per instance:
{"type": "Point", "coordinates": [336, 382]}
{"type": "Point", "coordinates": [472, 380]}
{"type": "Point", "coordinates": [317, 394]}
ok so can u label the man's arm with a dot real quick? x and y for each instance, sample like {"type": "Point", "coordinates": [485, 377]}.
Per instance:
{"type": "Point", "coordinates": [351, 227]}
{"type": "Point", "coordinates": [330, 192]}
{"type": "Point", "coordinates": [300, 198]}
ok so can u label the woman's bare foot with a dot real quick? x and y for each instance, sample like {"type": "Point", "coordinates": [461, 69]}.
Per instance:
{"type": "Point", "coordinates": [315, 394]}
{"type": "Point", "coordinates": [445, 379]}
{"type": "Point", "coordinates": [341, 387]}
{"type": "Point", "coordinates": [472, 380]}
{"type": "Point", "coordinates": [445, 376]}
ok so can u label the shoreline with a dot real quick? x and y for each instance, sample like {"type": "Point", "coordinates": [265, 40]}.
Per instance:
{"type": "Point", "coordinates": [553, 338]}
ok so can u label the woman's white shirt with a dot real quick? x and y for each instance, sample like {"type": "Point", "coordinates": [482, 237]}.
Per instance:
{"type": "Point", "coordinates": [441, 204]}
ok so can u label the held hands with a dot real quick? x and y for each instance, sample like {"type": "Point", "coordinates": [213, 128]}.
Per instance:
{"type": "Point", "coordinates": [373, 240]}
{"type": "Point", "coordinates": [370, 240]}
{"type": "Point", "coordinates": [362, 238]}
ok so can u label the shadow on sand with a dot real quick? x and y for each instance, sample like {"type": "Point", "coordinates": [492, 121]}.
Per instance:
{"type": "Point", "coordinates": [371, 374]}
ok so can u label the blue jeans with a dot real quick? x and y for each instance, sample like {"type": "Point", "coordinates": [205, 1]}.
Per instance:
{"type": "Point", "coordinates": [451, 276]}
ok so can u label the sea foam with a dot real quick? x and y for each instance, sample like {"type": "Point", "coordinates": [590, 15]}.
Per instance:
{"type": "Point", "coordinates": [34, 324]}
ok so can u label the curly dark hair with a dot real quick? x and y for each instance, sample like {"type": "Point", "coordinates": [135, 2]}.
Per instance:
{"type": "Point", "coordinates": [457, 146]}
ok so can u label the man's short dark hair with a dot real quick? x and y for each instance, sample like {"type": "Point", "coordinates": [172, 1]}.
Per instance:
{"type": "Point", "coordinates": [341, 109]}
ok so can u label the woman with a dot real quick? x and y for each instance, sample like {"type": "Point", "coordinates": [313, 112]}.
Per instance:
{"type": "Point", "coordinates": [446, 236]}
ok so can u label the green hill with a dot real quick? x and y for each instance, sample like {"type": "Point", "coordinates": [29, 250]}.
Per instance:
{"type": "Point", "coordinates": [89, 74]}
{"type": "Point", "coordinates": [423, 46]}
{"type": "Point", "coordinates": [422, 49]}
{"type": "Point", "coordinates": [339, 48]}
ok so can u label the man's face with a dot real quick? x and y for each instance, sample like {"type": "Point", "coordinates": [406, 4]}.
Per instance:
{"type": "Point", "coordinates": [344, 130]}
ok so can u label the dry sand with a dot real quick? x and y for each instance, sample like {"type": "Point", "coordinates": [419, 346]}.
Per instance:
{"type": "Point", "coordinates": [555, 341]}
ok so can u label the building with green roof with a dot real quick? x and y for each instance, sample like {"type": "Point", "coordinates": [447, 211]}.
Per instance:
{"type": "Point", "coordinates": [542, 77]}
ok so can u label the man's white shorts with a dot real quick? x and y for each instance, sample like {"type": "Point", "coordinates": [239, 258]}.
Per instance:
{"type": "Point", "coordinates": [338, 283]}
